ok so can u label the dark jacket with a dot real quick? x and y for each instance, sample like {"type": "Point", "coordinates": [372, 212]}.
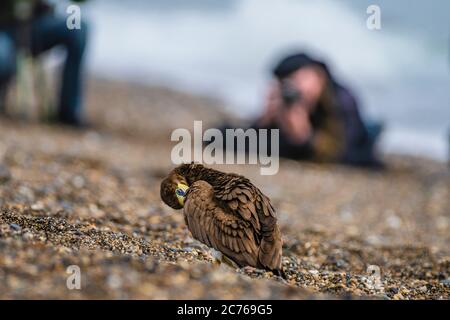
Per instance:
{"type": "Point", "coordinates": [12, 11]}
{"type": "Point", "coordinates": [358, 144]}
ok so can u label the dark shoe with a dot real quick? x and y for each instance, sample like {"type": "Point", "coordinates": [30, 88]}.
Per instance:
{"type": "Point", "coordinates": [75, 123]}
{"type": "Point", "coordinates": [374, 130]}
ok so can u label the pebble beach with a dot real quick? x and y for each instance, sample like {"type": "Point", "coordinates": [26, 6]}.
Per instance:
{"type": "Point", "coordinates": [91, 199]}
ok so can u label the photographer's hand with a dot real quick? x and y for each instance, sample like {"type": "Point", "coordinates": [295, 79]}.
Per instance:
{"type": "Point", "coordinates": [297, 124]}
{"type": "Point", "coordinates": [273, 105]}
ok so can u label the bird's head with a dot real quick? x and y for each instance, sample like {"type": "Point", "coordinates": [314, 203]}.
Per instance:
{"type": "Point", "coordinates": [173, 190]}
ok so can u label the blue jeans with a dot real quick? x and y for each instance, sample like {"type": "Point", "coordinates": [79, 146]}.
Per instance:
{"type": "Point", "coordinates": [47, 32]}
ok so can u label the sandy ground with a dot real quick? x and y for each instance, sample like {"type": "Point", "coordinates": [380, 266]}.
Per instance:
{"type": "Point", "coordinates": [91, 199]}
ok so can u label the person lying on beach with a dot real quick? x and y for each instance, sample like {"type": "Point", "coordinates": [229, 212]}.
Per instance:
{"type": "Point", "coordinates": [32, 26]}
{"type": "Point", "coordinates": [318, 118]}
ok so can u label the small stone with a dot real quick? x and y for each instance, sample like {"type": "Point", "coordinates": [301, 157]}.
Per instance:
{"type": "Point", "coordinates": [15, 226]}
{"type": "Point", "coordinates": [394, 290]}
{"type": "Point", "coordinates": [78, 182]}
{"type": "Point", "coordinates": [398, 296]}
{"type": "Point", "coordinates": [38, 206]}
{"type": "Point", "coordinates": [404, 291]}
{"type": "Point", "coordinates": [393, 221]}
{"type": "Point", "coordinates": [249, 269]}
{"type": "Point", "coordinates": [340, 263]}
{"type": "Point", "coordinates": [423, 289]}
{"type": "Point", "coordinates": [28, 236]}
{"type": "Point", "coordinates": [446, 282]}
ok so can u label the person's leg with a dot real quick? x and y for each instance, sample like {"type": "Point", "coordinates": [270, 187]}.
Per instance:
{"type": "Point", "coordinates": [50, 31]}
{"type": "Point", "coordinates": [7, 64]}
{"type": "Point", "coordinates": [374, 129]}
{"type": "Point", "coordinates": [364, 154]}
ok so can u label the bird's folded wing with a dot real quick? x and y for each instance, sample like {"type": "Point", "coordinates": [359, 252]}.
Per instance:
{"type": "Point", "coordinates": [246, 200]}
{"type": "Point", "coordinates": [243, 198]}
{"type": "Point", "coordinates": [212, 225]}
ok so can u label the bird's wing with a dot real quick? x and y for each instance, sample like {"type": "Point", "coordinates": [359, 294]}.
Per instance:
{"type": "Point", "coordinates": [239, 195]}
{"type": "Point", "coordinates": [244, 199]}
{"type": "Point", "coordinates": [217, 228]}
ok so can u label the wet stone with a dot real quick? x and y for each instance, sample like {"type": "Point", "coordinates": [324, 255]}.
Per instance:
{"type": "Point", "coordinates": [15, 227]}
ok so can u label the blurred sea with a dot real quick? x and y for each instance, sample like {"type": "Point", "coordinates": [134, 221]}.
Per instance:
{"type": "Point", "coordinates": [226, 49]}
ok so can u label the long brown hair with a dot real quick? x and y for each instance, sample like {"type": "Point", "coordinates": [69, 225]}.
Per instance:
{"type": "Point", "coordinates": [329, 139]}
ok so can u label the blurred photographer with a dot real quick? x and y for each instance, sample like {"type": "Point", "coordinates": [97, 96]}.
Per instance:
{"type": "Point", "coordinates": [317, 117]}
{"type": "Point", "coordinates": [32, 26]}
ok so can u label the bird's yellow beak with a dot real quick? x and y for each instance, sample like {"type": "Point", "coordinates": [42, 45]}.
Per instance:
{"type": "Point", "coordinates": [180, 192]}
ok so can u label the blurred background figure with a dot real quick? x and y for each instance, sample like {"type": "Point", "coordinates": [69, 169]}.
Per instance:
{"type": "Point", "coordinates": [32, 27]}
{"type": "Point", "coordinates": [318, 118]}
{"type": "Point", "coordinates": [224, 49]}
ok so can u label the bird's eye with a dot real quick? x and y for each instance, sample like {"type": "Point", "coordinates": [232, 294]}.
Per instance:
{"type": "Point", "coordinates": [180, 192]}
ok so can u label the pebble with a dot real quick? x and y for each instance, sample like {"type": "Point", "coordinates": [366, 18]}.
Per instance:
{"type": "Point", "coordinates": [78, 182]}
{"type": "Point", "coordinates": [28, 236]}
{"type": "Point", "coordinates": [15, 227]}
{"type": "Point", "coordinates": [423, 289]}
{"type": "Point", "coordinates": [446, 282]}
{"type": "Point", "coordinates": [37, 206]}
{"type": "Point", "coordinates": [398, 296]}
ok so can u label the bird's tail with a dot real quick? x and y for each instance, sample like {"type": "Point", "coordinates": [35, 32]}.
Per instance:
{"type": "Point", "coordinates": [270, 251]}
{"type": "Point", "coordinates": [280, 273]}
